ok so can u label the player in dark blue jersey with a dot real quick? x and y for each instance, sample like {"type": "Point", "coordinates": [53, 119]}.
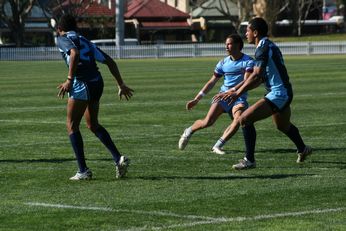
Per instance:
{"type": "Point", "coordinates": [234, 68]}
{"type": "Point", "coordinates": [84, 86]}
{"type": "Point", "coordinates": [270, 69]}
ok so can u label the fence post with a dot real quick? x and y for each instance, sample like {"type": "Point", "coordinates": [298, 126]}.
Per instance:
{"type": "Point", "coordinates": [157, 49]}
{"type": "Point", "coordinates": [309, 49]}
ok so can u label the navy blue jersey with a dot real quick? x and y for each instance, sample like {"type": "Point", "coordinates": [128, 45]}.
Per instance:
{"type": "Point", "coordinates": [88, 55]}
{"type": "Point", "coordinates": [268, 56]}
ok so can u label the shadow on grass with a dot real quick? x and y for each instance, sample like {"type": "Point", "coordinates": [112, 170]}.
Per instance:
{"type": "Point", "coordinates": [52, 160]}
{"type": "Point", "coordinates": [275, 176]}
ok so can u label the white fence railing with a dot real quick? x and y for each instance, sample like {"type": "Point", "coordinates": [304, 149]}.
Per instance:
{"type": "Point", "coordinates": [175, 50]}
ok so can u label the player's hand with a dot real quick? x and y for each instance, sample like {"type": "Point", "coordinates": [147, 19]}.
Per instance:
{"type": "Point", "coordinates": [125, 91]}
{"type": "Point", "coordinates": [217, 97]}
{"type": "Point", "coordinates": [191, 104]}
{"type": "Point", "coordinates": [63, 88]}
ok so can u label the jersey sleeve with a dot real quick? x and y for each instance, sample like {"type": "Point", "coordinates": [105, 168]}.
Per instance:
{"type": "Point", "coordinates": [249, 65]}
{"type": "Point", "coordinates": [262, 56]}
{"type": "Point", "coordinates": [65, 44]}
{"type": "Point", "coordinates": [218, 72]}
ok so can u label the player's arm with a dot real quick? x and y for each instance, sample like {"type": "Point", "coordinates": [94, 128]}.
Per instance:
{"type": "Point", "coordinates": [113, 68]}
{"type": "Point", "coordinates": [206, 88]}
{"type": "Point", "coordinates": [66, 86]}
{"type": "Point", "coordinates": [252, 81]}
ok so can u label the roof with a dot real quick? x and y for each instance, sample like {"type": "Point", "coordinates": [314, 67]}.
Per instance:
{"type": "Point", "coordinates": [152, 9]}
{"type": "Point", "coordinates": [209, 9]}
{"type": "Point", "coordinates": [165, 25]}
{"type": "Point", "coordinates": [100, 10]}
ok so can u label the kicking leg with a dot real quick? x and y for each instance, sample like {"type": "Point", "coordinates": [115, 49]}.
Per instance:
{"type": "Point", "coordinates": [283, 123]}
{"type": "Point", "coordinates": [214, 112]}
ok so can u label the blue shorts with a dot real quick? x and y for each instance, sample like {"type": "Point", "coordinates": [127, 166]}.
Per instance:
{"type": "Point", "coordinates": [228, 108]}
{"type": "Point", "coordinates": [87, 90]}
{"type": "Point", "coordinates": [278, 100]}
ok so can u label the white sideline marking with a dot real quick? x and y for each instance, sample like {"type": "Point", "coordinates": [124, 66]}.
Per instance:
{"type": "Point", "coordinates": [105, 209]}
{"type": "Point", "coordinates": [237, 219]}
{"type": "Point", "coordinates": [205, 220]}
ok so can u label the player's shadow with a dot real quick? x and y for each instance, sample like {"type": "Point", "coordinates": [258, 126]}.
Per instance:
{"type": "Point", "coordinates": [51, 160]}
{"type": "Point", "coordinates": [233, 177]}
{"type": "Point", "coordinates": [54, 160]}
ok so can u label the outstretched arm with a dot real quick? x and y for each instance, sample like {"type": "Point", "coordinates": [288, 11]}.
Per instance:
{"type": "Point", "coordinates": [113, 68]}
{"type": "Point", "coordinates": [206, 88]}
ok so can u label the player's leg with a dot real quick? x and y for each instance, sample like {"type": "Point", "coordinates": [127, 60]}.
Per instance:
{"type": "Point", "coordinates": [214, 112]}
{"type": "Point", "coordinates": [75, 111]}
{"type": "Point", "coordinates": [282, 121]}
{"type": "Point", "coordinates": [91, 117]}
{"type": "Point", "coordinates": [258, 111]}
{"type": "Point", "coordinates": [230, 130]}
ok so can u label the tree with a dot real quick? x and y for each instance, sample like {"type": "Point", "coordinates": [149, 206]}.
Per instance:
{"type": "Point", "coordinates": [59, 7]}
{"type": "Point", "coordinates": [14, 13]}
{"type": "Point", "coordinates": [299, 12]}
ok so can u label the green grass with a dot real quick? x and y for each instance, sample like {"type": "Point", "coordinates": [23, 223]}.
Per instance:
{"type": "Point", "coordinates": [168, 189]}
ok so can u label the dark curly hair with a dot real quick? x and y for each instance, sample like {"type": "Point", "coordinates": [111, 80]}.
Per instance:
{"type": "Point", "coordinates": [260, 25]}
{"type": "Point", "coordinates": [67, 23]}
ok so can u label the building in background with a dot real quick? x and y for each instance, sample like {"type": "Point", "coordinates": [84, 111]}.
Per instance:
{"type": "Point", "coordinates": [155, 22]}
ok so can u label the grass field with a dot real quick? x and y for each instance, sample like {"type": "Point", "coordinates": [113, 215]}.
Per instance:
{"type": "Point", "coordinates": [168, 189]}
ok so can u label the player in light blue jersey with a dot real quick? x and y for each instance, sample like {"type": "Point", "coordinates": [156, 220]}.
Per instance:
{"type": "Point", "coordinates": [234, 68]}
{"type": "Point", "coordinates": [84, 86]}
{"type": "Point", "coordinates": [270, 69]}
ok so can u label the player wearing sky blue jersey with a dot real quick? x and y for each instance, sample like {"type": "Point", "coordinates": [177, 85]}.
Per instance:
{"type": "Point", "coordinates": [234, 68]}
{"type": "Point", "coordinates": [270, 69]}
{"type": "Point", "coordinates": [84, 86]}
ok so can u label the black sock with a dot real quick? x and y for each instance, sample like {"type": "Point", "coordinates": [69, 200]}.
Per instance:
{"type": "Point", "coordinates": [249, 133]}
{"type": "Point", "coordinates": [77, 145]}
{"type": "Point", "coordinates": [294, 135]}
{"type": "Point", "coordinates": [106, 139]}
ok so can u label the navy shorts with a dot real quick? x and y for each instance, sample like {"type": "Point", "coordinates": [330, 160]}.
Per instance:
{"type": "Point", "coordinates": [87, 90]}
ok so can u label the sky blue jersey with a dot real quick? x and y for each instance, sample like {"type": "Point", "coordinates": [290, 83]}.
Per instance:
{"type": "Point", "coordinates": [88, 55]}
{"type": "Point", "coordinates": [269, 57]}
{"type": "Point", "coordinates": [233, 70]}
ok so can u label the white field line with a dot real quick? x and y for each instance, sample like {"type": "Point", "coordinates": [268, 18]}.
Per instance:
{"type": "Point", "coordinates": [205, 220]}
{"type": "Point", "coordinates": [182, 102]}
{"type": "Point", "coordinates": [237, 219]}
{"type": "Point", "coordinates": [24, 121]}
{"type": "Point", "coordinates": [105, 209]}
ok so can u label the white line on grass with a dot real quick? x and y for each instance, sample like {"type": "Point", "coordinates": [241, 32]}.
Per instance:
{"type": "Point", "coordinates": [205, 220]}
{"type": "Point", "coordinates": [107, 209]}
{"type": "Point", "coordinates": [237, 219]}
{"type": "Point", "coordinates": [180, 102]}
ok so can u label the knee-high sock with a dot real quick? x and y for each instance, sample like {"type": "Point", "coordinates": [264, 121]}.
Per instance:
{"type": "Point", "coordinates": [77, 145]}
{"type": "Point", "coordinates": [249, 133]}
{"type": "Point", "coordinates": [106, 139]}
{"type": "Point", "coordinates": [294, 135]}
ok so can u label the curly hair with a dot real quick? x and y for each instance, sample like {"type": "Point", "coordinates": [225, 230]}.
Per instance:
{"type": "Point", "coordinates": [67, 23]}
{"type": "Point", "coordinates": [260, 25]}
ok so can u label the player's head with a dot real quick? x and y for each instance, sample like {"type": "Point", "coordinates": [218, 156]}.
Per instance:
{"type": "Point", "coordinates": [257, 28]}
{"type": "Point", "coordinates": [234, 43]}
{"type": "Point", "coordinates": [67, 23]}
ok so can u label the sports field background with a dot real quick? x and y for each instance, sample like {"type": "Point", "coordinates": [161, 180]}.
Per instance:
{"type": "Point", "coordinates": [168, 189]}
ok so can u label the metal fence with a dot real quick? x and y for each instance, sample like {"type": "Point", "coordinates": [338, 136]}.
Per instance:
{"type": "Point", "coordinates": [174, 50]}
